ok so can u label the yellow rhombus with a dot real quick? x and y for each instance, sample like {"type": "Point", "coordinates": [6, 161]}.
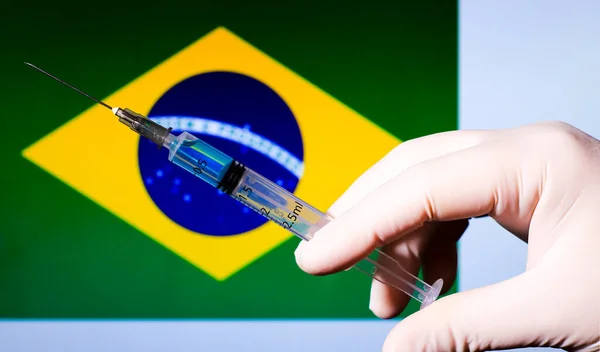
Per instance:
{"type": "Point", "coordinates": [339, 145]}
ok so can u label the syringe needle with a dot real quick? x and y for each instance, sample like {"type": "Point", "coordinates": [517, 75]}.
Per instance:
{"type": "Point", "coordinates": [70, 86]}
{"type": "Point", "coordinates": [137, 122]}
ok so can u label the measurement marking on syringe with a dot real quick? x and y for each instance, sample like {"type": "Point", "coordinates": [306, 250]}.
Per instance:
{"type": "Point", "coordinates": [200, 170]}
{"type": "Point", "coordinates": [244, 200]}
{"type": "Point", "coordinates": [266, 212]}
{"type": "Point", "coordinates": [263, 211]}
{"type": "Point", "coordinates": [293, 216]}
{"type": "Point", "coordinates": [248, 190]}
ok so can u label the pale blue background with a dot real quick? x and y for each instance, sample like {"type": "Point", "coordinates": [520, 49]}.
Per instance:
{"type": "Point", "coordinates": [523, 62]}
{"type": "Point", "coordinates": [520, 62]}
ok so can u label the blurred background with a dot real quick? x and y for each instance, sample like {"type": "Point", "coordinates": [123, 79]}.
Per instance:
{"type": "Point", "coordinates": [78, 270]}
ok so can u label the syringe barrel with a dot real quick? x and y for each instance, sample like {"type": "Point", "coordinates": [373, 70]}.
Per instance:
{"type": "Point", "coordinates": [284, 208]}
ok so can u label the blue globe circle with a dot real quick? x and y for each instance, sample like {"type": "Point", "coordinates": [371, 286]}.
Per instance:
{"type": "Point", "coordinates": [226, 98]}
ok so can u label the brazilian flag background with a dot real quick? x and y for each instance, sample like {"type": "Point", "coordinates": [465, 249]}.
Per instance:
{"type": "Point", "coordinates": [65, 255]}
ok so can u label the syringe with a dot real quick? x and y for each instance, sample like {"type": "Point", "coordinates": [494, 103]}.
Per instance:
{"type": "Point", "coordinates": [262, 195]}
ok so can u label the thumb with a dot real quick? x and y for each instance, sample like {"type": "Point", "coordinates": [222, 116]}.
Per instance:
{"type": "Point", "coordinates": [501, 316]}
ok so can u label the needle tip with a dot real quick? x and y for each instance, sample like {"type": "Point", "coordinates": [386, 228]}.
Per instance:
{"type": "Point", "coordinates": [70, 86]}
{"type": "Point", "coordinates": [31, 65]}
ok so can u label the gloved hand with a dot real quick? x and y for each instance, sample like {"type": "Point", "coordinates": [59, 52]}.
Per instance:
{"type": "Point", "coordinates": [541, 182]}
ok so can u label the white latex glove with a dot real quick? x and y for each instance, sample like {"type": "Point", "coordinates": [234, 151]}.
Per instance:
{"type": "Point", "coordinates": [541, 182]}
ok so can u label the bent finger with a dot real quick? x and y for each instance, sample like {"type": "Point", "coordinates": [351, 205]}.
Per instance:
{"type": "Point", "coordinates": [387, 301]}
{"type": "Point", "coordinates": [443, 189]}
{"type": "Point", "coordinates": [440, 259]}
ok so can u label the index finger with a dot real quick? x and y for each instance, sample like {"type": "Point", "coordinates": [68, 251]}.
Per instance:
{"type": "Point", "coordinates": [458, 185]}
